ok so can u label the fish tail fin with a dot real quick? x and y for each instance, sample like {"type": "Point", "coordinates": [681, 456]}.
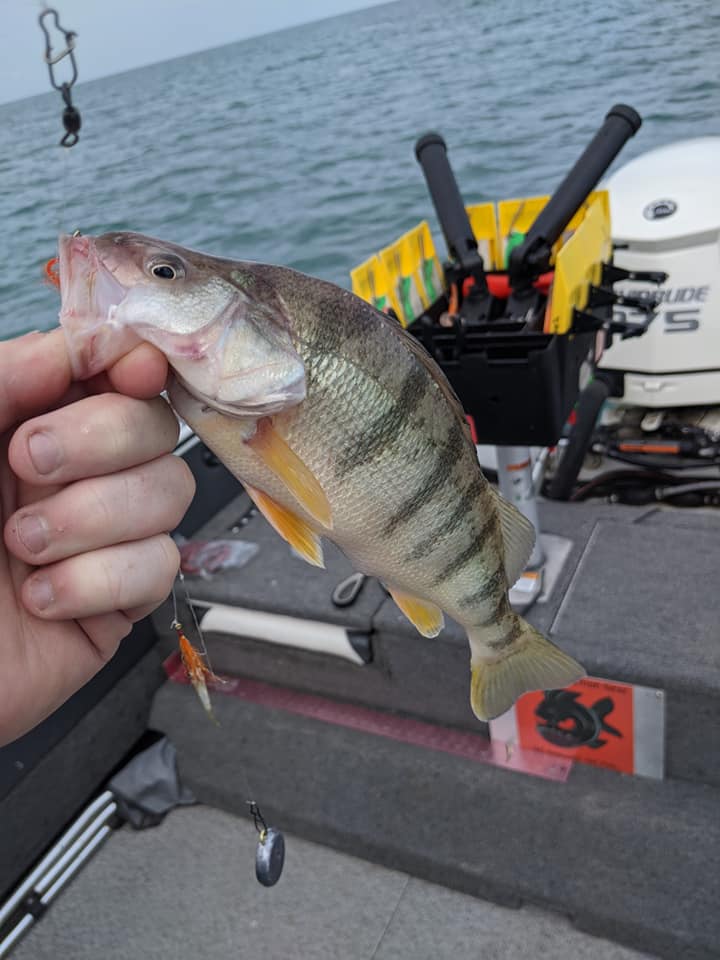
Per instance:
{"type": "Point", "coordinates": [531, 663]}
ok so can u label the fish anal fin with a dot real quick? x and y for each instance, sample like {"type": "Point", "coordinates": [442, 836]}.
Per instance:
{"type": "Point", "coordinates": [425, 616]}
{"type": "Point", "coordinates": [518, 538]}
{"type": "Point", "coordinates": [290, 527]}
{"type": "Point", "coordinates": [531, 663]}
{"type": "Point", "coordinates": [278, 457]}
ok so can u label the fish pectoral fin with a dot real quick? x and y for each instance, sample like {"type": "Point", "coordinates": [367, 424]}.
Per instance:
{"type": "Point", "coordinates": [290, 527]}
{"type": "Point", "coordinates": [291, 471]}
{"type": "Point", "coordinates": [531, 663]}
{"type": "Point", "coordinates": [425, 616]}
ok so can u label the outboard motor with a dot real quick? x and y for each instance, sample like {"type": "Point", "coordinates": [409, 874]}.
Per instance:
{"type": "Point", "coordinates": [665, 215]}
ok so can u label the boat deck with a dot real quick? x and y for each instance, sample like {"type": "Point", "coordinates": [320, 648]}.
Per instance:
{"type": "Point", "coordinates": [459, 857]}
{"type": "Point", "coordinates": [186, 890]}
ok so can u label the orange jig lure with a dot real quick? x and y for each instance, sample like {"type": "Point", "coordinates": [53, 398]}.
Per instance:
{"type": "Point", "coordinates": [196, 670]}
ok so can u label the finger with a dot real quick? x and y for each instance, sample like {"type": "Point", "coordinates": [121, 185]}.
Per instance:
{"type": "Point", "coordinates": [28, 493]}
{"type": "Point", "coordinates": [141, 373]}
{"type": "Point", "coordinates": [95, 436]}
{"type": "Point", "coordinates": [84, 516]}
{"type": "Point", "coordinates": [130, 505]}
{"type": "Point", "coordinates": [34, 374]}
{"type": "Point", "coordinates": [114, 578]}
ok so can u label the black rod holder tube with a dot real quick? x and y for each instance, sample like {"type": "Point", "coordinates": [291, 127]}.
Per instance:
{"type": "Point", "coordinates": [532, 256]}
{"type": "Point", "coordinates": [431, 153]}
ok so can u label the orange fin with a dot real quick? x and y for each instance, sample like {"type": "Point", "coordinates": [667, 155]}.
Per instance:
{"type": "Point", "coordinates": [288, 467]}
{"type": "Point", "coordinates": [424, 615]}
{"type": "Point", "coordinates": [290, 527]}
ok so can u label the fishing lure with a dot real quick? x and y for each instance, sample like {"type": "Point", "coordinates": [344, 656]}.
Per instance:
{"type": "Point", "coordinates": [197, 670]}
{"type": "Point", "coordinates": [270, 850]}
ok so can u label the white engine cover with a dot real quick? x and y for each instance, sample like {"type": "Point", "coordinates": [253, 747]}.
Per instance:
{"type": "Point", "coordinates": [665, 206]}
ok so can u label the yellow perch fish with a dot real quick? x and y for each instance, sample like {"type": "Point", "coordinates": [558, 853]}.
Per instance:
{"type": "Point", "coordinates": [338, 424]}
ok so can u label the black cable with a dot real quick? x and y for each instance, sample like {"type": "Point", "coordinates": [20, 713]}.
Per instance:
{"type": "Point", "coordinates": [614, 478]}
{"type": "Point", "coordinates": [648, 463]}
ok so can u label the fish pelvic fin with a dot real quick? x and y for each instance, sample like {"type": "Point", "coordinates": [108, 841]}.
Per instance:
{"type": "Point", "coordinates": [294, 474]}
{"type": "Point", "coordinates": [531, 662]}
{"type": "Point", "coordinates": [425, 616]}
{"type": "Point", "coordinates": [291, 528]}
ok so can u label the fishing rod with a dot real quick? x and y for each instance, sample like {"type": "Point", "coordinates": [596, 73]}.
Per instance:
{"type": "Point", "coordinates": [465, 260]}
{"type": "Point", "coordinates": [523, 287]}
{"type": "Point", "coordinates": [534, 254]}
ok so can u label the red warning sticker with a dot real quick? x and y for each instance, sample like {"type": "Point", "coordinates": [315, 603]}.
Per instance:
{"type": "Point", "coordinates": [592, 721]}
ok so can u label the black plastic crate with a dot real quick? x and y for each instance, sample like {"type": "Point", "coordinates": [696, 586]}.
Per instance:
{"type": "Point", "coordinates": [518, 386]}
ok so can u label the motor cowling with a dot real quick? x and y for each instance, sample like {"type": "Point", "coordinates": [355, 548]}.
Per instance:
{"type": "Point", "coordinates": [665, 215]}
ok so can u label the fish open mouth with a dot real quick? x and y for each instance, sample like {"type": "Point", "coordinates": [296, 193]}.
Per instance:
{"type": "Point", "coordinates": [227, 350]}
{"type": "Point", "coordinates": [90, 295]}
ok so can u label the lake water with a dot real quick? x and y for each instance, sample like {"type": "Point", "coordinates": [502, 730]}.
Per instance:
{"type": "Point", "coordinates": [297, 147]}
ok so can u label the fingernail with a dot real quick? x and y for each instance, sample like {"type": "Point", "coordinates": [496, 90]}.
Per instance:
{"type": "Point", "coordinates": [41, 592]}
{"type": "Point", "coordinates": [33, 533]}
{"type": "Point", "coordinates": [44, 451]}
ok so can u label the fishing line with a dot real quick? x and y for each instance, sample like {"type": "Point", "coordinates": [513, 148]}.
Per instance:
{"type": "Point", "coordinates": [64, 176]}
{"type": "Point", "coordinates": [188, 603]}
{"type": "Point", "coordinates": [270, 850]}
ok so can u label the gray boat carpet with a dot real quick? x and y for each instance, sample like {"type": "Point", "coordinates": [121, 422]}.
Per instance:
{"type": "Point", "coordinates": [634, 603]}
{"type": "Point", "coordinates": [185, 890]}
{"type": "Point", "coordinates": [632, 860]}
{"type": "Point", "coordinates": [628, 858]}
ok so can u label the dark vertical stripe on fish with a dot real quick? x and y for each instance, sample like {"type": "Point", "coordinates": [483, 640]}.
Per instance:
{"type": "Point", "coordinates": [327, 338]}
{"type": "Point", "coordinates": [495, 582]}
{"type": "Point", "coordinates": [462, 508]}
{"type": "Point", "coordinates": [382, 432]}
{"type": "Point", "coordinates": [470, 552]}
{"type": "Point", "coordinates": [508, 639]}
{"type": "Point", "coordinates": [448, 455]}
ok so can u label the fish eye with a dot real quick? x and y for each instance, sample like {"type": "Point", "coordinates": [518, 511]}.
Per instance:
{"type": "Point", "coordinates": [164, 270]}
{"type": "Point", "coordinates": [167, 269]}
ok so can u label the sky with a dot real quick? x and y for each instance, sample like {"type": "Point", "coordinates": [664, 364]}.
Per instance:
{"type": "Point", "coordinates": [123, 34]}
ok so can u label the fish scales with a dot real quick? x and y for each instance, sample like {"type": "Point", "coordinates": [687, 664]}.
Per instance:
{"type": "Point", "coordinates": [382, 408]}
{"type": "Point", "coordinates": [338, 418]}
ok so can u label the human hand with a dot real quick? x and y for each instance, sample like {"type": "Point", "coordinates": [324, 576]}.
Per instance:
{"type": "Point", "coordinates": [88, 489]}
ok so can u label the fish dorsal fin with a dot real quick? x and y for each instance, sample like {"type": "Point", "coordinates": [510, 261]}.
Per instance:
{"type": "Point", "coordinates": [425, 616]}
{"type": "Point", "coordinates": [290, 527]}
{"type": "Point", "coordinates": [518, 538]}
{"type": "Point", "coordinates": [289, 468]}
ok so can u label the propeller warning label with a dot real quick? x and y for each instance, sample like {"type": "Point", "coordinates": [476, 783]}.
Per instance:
{"type": "Point", "coordinates": [601, 722]}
